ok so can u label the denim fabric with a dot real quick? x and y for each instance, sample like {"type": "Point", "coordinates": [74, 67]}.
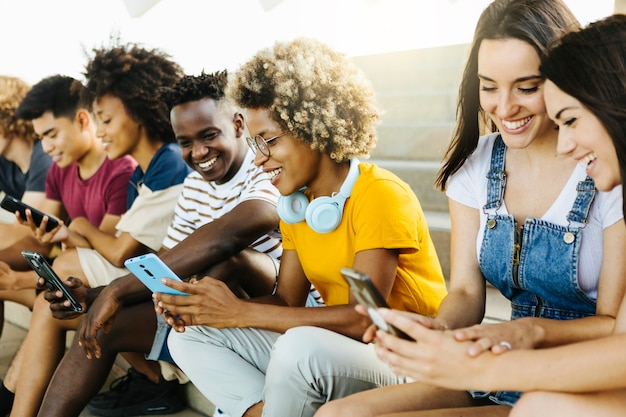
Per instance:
{"type": "Point", "coordinates": [540, 278]}
{"type": "Point", "coordinates": [159, 350]}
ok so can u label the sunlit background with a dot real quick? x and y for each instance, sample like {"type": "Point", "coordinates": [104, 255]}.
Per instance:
{"type": "Point", "coordinates": [43, 37]}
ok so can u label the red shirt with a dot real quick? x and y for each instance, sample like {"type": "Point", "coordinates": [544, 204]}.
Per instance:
{"type": "Point", "coordinates": [103, 193]}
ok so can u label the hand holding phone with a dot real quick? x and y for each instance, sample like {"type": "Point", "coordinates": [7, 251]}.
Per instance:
{"type": "Point", "coordinates": [150, 269]}
{"type": "Point", "coordinates": [366, 294]}
{"type": "Point", "coordinates": [12, 204]}
{"type": "Point", "coordinates": [39, 264]}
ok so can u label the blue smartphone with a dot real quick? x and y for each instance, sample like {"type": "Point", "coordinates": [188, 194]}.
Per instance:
{"type": "Point", "coordinates": [150, 269]}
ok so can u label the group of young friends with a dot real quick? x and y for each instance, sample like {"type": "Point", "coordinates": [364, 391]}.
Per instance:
{"type": "Point", "coordinates": [252, 186]}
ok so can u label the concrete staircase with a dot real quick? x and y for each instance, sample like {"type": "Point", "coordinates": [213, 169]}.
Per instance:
{"type": "Point", "coordinates": [417, 92]}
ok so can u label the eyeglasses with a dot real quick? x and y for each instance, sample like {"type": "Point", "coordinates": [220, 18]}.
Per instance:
{"type": "Point", "coordinates": [262, 144]}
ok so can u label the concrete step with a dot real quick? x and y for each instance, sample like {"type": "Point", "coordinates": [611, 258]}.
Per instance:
{"type": "Point", "coordinates": [416, 91]}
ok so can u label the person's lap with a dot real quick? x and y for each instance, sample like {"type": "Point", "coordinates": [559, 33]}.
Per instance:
{"type": "Point", "coordinates": [599, 404]}
{"type": "Point", "coordinates": [396, 399]}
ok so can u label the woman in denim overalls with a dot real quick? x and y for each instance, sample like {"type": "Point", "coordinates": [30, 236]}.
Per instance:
{"type": "Point", "coordinates": [536, 228]}
{"type": "Point", "coordinates": [586, 96]}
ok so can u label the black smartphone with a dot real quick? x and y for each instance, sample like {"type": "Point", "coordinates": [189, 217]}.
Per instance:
{"type": "Point", "coordinates": [366, 294]}
{"type": "Point", "coordinates": [12, 204]}
{"type": "Point", "coordinates": [53, 282]}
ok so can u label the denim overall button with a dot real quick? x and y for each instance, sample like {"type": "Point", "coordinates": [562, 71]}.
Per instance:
{"type": "Point", "coordinates": [491, 223]}
{"type": "Point", "coordinates": [568, 237]}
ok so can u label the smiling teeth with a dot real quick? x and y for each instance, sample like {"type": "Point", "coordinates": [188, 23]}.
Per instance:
{"type": "Point", "coordinates": [587, 159]}
{"type": "Point", "coordinates": [516, 124]}
{"type": "Point", "coordinates": [208, 163]}
{"type": "Point", "coordinates": [274, 173]}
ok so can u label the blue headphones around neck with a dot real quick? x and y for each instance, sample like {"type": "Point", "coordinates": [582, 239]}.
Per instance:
{"type": "Point", "coordinates": [323, 214]}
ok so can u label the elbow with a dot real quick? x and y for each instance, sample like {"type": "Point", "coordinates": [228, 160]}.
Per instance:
{"type": "Point", "coordinates": [117, 258]}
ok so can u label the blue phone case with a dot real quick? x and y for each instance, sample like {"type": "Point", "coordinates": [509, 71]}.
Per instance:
{"type": "Point", "coordinates": [150, 269]}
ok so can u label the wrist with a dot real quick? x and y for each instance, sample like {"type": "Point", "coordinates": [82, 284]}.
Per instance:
{"type": "Point", "coordinates": [91, 295]}
{"type": "Point", "coordinates": [22, 280]}
{"type": "Point", "coordinates": [536, 329]}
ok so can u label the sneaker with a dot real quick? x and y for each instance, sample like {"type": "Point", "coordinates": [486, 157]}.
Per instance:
{"type": "Point", "coordinates": [135, 395]}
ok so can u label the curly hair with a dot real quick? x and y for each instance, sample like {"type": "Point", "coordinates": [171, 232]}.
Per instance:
{"type": "Point", "coordinates": [12, 92]}
{"type": "Point", "coordinates": [313, 92]}
{"type": "Point", "coordinates": [134, 74]}
{"type": "Point", "coordinates": [193, 88]}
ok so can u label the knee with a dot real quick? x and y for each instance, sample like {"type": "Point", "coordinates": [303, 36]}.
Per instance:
{"type": "Point", "coordinates": [333, 409]}
{"type": "Point", "coordinates": [531, 404]}
{"type": "Point", "coordinates": [40, 303]}
{"type": "Point", "coordinates": [182, 346]}
{"type": "Point", "coordinates": [65, 264]}
{"type": "Point", "coordinates": [41, 307]}
{"type": "Point", "coordinates": [296, 352]}
{"type": "Point", "coordinates": [41, 314]}
{"type": "Point", "coordinates": [297, 343]}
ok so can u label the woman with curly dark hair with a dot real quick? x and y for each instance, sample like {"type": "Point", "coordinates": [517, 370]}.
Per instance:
{"type": "Point", "coordinates": [310, 114]}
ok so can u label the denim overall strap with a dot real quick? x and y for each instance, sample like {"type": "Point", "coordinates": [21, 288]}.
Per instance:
{"type": "Point", "coordinates": [585, 193]}
{"type": "Point", "coordinates": [496, 178]}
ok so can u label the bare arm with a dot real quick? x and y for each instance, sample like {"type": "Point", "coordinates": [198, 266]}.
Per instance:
{"type": "Point", "coordinates": [115, 249]}
{"type": "Point", "coordinates": [222, 238]}
{"type": "Point", "coordinates": [210, 244]}
{"type": "Point", "coordinates": [465, 303]}
{"type": "Point", "coordinates": [379, 264]}
{"type": "Point", "coordinates": [285, 309]}
{"type": "Point", "coordinates": [438, 359]}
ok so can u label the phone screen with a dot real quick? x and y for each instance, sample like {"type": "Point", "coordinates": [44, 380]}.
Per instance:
{"type": "Point", "coordinates": [366, 294]}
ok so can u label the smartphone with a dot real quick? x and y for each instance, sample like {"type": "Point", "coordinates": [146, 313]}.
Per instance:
{"type": "Point", "coordinates": [53, 282]}
{"type": "Point", "coordinates": [12, 204]}
{"type": "Point", "coordinates": [150, 269]}
{"type": "Point", "coordinates": [366, 294]}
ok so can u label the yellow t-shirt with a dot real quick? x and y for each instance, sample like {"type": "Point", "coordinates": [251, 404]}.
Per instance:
{"type": "Point", "coordinates": [382, 212]}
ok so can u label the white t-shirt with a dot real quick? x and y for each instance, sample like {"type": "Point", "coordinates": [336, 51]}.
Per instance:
{"type": "Point", "coordinates": [468, 186]}
{"type": "Point", "coordinates": [202, 201]}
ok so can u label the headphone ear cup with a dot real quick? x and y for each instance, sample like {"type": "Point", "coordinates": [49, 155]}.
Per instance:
{"type": "Point", "coordinates": [292, 208]}
{"type": "Point", "coordinates": [323, 214]}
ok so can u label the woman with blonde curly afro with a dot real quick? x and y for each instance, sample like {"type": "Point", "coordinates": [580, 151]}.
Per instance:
{"type": "Point", "coordinates": [310, 114]}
